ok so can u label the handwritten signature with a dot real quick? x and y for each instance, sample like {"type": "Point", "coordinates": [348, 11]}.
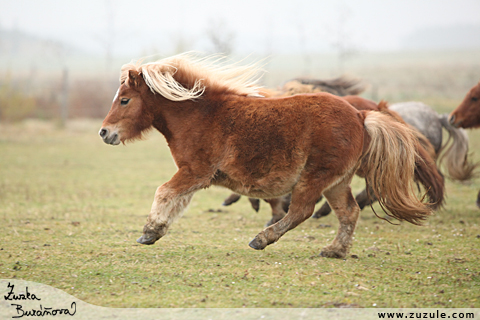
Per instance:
{"type": "Point", "coordinates": [40, 312]}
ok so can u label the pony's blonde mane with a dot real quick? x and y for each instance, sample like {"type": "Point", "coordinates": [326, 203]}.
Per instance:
{"type": "Point", "coordinates": [187, 76]}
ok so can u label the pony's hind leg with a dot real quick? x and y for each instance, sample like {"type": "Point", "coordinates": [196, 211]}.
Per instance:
{"type": "Point", "coordinates": [478, 199]}
{"type": "Point", "coordinates": [364, 198]}
{"type": "Point", "coordinates": [324, 211]}
{"type": "Point", "coordinates": [255, 203]}
{"type": "Point", "coordinates": [234, 197]}
{"type": "Point", "coordinates": [304, 198]}
{"type": "Point", "coordinates": [277, 210]}
{"type": "Point", "coordinates": [347, 210]}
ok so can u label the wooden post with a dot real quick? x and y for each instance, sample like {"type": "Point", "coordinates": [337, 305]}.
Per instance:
{"type": "Point", "coordinates": [64, 98]}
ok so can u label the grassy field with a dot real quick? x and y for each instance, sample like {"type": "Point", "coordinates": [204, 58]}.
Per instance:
{"type": "Point", "coordinates": [71, 208]}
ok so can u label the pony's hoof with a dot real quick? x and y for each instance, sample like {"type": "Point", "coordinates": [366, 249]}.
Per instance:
{"type": "Point", "coordinates": [322, 212]}
{"type": "Point", "coordinates": [147, 239]}
{"type": "Point", "coordinates": [255, 203]}
{"type": "Point", "coordinates": [332, 254]}
{"type": "Point", "coordinates": [257, 244]}
{"type": "Point", "coordinates": [269, 223]}
{"type": "Point", "coordinates": [273, 221]}
{"type": "Point", "coordinates": [231, 199]}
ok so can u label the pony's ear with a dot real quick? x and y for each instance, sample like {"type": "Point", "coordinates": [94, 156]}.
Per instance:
{"type": "Point", "coordinates": [383, 105]}
{"type": "Point", "coordinates": [133, 79]}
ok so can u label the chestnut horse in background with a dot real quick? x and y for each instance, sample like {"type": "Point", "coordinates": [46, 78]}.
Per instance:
{"type": "Point", "coordinates": [221, 133]}
{"type": "Point", "coordinates": [467, 114]}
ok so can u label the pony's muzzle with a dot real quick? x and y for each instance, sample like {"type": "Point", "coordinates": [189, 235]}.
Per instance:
{"type": "Point", "coordinates": [451, 120]}
{"type": "Point", "coordinates": [103, 133]}
{"type": "Point", "coordinates": [109, 137]}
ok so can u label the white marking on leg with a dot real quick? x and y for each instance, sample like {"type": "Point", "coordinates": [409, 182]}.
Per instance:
{"type": "Point", "coordinates": [168, 206]}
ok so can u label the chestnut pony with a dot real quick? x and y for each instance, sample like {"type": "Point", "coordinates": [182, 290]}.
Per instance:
{"type": "Point", "coordinates": [426, 171]}
{"type": "Point", "coordinates": [221, 133]}
{"type": "Point", "coordinates": [467, 114]}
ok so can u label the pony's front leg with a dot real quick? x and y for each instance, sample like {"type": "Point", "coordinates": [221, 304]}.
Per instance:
{"type": "Point", "coordinates": [170, 201]}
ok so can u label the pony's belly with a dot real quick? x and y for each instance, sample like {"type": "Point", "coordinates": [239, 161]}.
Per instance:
{"type": "Point", "coordinates": [265, 188]}
{"type": "Point", "coordinates": [267, 193]}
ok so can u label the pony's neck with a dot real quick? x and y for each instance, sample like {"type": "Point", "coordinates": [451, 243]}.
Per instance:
{"type": "Point", "coordinates": [172, 118]}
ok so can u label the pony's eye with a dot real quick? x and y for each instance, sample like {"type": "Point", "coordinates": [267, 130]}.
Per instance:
{"type": "Point", "coordinates": [474, 99]}
{"type": "Point", "coordinates": [124, 101]}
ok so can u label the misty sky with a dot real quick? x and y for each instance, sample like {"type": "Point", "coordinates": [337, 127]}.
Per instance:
{"type": "Point", "coordinates": [264, 27]}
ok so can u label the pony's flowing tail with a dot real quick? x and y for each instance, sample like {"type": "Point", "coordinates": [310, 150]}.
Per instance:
{"type": "Point", "coordinates": [389, 167]}
{"type": "Point", "coordinates": [455, 152]}
{"type": "Point", "coordinates": [427, 173]}
{"type": "Point", "coordinates": [426, 170]}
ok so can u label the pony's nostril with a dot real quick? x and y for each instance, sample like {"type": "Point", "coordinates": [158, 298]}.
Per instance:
{"type": "Point", "coordinates": [103, 133]}
{"type": "Point", "coordinates": [452, 119]}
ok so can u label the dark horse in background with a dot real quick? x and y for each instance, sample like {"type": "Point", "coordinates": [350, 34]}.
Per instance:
{"type": "Point", "coordinates": [467, 114]}
{"type": "Point", "coordinates": [221, 133]}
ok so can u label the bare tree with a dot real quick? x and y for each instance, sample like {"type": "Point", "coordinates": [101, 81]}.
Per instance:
{"type": "Point", "coordinates": [181, 42]}
{"type": "Point", "coordinates": [64, 105]}
{"type": "Point", "coordinates": [107, 38]}
{"type": "Point", "coordinates": [221, 38]}
{"type": "Point", "coordinates": [343, 42]}
{"type": "Point", "coordinates": [303, 42]}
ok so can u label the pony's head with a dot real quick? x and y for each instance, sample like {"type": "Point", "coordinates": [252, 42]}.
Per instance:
{"type": "Point", "coordinates": [129, 116]}
{"type": "Point", "coordinates": [146, 88]}
{"type": "Point", "coordinates": [467, 114]}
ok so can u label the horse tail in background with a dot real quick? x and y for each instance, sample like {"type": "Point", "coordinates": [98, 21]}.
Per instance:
{"type": "Point", "coordinates": [427, 173]}
{"type": "Point", "coordinates": [429, 148]}
{"type": "Point", "coordinates": [389, 166]}
{"type": "Point", "coordinates": [426, 170]}
{"type": "Point", "coordinates": [455, 152]}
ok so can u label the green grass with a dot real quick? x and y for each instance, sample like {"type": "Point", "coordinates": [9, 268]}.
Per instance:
{"type": "Point", "coordinates": [71, 208]}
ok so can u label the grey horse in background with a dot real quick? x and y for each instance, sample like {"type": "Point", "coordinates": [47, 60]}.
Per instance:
{"type": "Point", "coordinates": [454, 153]}
{"type": "Point", "coordinates": [452, 156]}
